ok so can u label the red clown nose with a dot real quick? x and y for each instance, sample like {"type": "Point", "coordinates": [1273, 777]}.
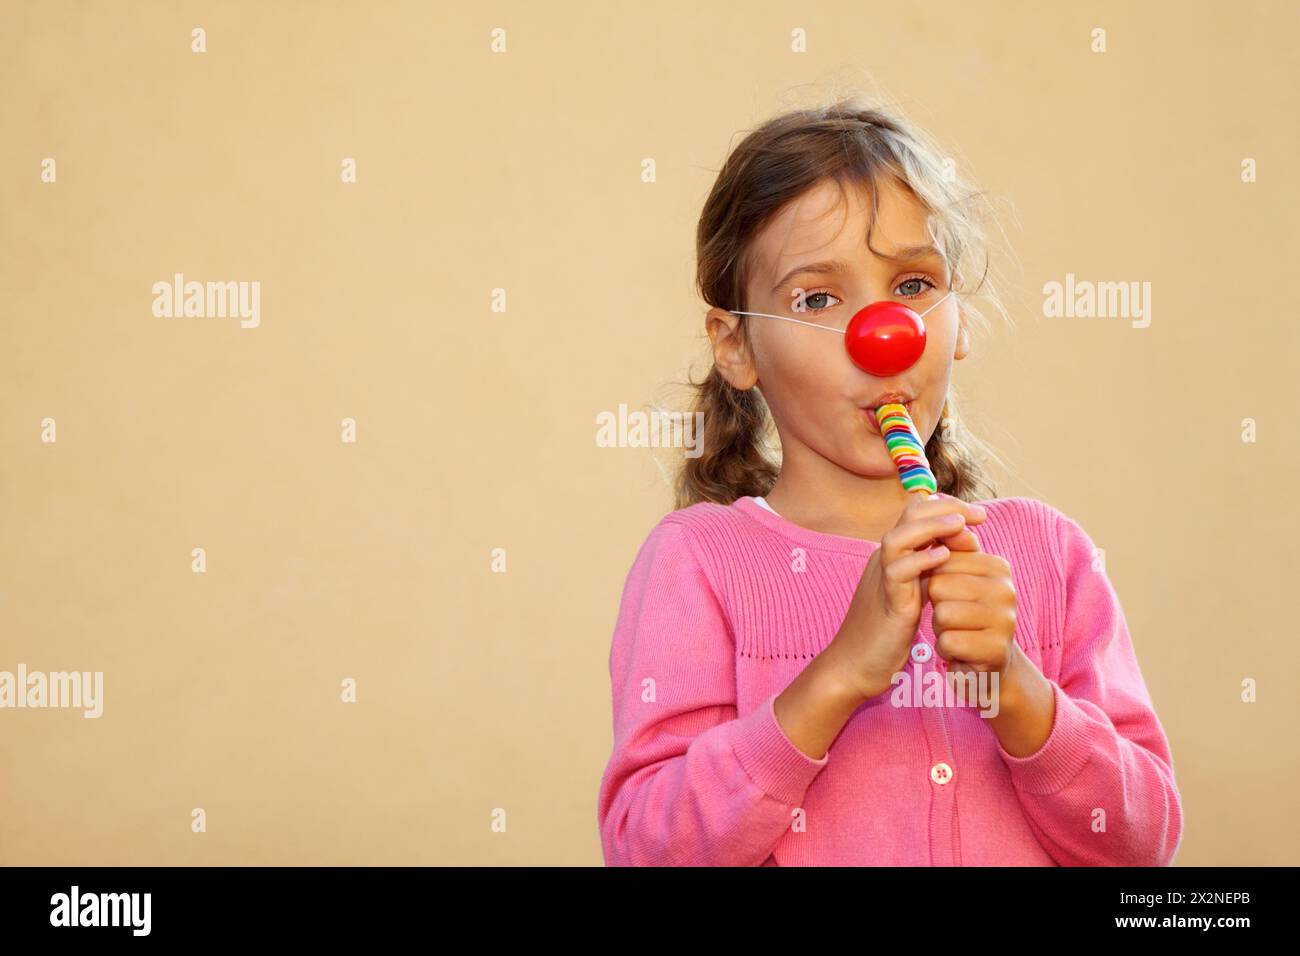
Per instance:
{"type": "Point", "coordinates": [885, 338]}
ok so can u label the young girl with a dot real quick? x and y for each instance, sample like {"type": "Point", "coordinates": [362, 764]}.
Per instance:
{"type": "Point", "coordinates": [781, 634]}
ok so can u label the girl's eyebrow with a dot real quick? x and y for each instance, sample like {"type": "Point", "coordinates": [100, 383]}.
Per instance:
{"type": "Point", "coordinates": [911, 253]}
{"type": "Point", "coordinates": [825, 267]}
{"type": "Point", "coordinates": [830, 266]}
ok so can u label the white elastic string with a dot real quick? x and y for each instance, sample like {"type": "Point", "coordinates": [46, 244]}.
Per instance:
{"type": "Point", "coordinates": [787, 318]}
{"type": "Point", "coordinates": [828, 328]}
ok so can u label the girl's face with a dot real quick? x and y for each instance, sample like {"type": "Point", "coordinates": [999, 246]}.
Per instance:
{"type": "Point", "coordinates": [811, 262]}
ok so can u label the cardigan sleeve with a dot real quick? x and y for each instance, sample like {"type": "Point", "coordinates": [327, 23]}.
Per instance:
{"type": "Point", "coordinates": [1101, 789]}
{"type": "Point", "coordinates": [690, 781]}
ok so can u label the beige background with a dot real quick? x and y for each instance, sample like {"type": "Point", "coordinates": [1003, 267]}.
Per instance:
{"type": "Point", "coordinates": [476, 429]}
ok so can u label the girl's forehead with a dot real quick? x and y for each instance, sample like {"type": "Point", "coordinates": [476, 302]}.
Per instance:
{"type": "Point", "coordinates": [826, 223]}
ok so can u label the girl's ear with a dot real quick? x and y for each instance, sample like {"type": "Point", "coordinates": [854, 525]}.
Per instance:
{"type": "Point", "coordinates": [963, 339]}
{"type": "Point", "coordinates": [731, 353]}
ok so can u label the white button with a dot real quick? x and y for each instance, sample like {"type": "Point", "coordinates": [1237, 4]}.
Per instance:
{"type": "Point", "coordinates": [920, 653]}
{"type": "Point", "coordinates": [941, 773]}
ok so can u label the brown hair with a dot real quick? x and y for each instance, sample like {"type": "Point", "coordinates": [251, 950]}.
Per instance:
{"type": "Point", "coordinates": [852, 144]}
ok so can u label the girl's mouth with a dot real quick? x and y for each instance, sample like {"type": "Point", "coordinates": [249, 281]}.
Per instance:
{"type": "Point", "coordinates": [874, 425]}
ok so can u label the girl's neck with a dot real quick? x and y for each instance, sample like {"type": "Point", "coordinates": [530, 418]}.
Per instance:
{"type": "Point", "coordinates": [856, 507]}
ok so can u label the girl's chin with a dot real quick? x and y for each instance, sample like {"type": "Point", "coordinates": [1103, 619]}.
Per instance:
{"type": "Point", "coordinates": [873, 459]}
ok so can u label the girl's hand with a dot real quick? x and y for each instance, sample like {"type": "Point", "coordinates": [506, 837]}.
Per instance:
{"type": "Point", "coordinates": [974, 618]}
{"type": "Point", "coordinates": [975, 626]}
{"type": "Point", "coordinates": [875, 639]}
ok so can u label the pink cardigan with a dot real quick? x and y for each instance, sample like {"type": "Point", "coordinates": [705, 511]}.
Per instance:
{"type": "Point", "coordinates": [725, 604]}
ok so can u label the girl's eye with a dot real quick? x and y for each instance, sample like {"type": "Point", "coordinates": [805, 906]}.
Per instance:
{"type": "Point", "coordinates": [814, 302]}
{"type": "Point", "coordinates": [919, 284]}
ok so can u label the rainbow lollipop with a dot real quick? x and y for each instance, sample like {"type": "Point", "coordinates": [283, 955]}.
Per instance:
{"type": "Point", "coordinates": [906, 449]}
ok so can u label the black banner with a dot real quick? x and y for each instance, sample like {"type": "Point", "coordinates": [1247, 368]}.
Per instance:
{"type": "Point", "coordinates": [96, 905]}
